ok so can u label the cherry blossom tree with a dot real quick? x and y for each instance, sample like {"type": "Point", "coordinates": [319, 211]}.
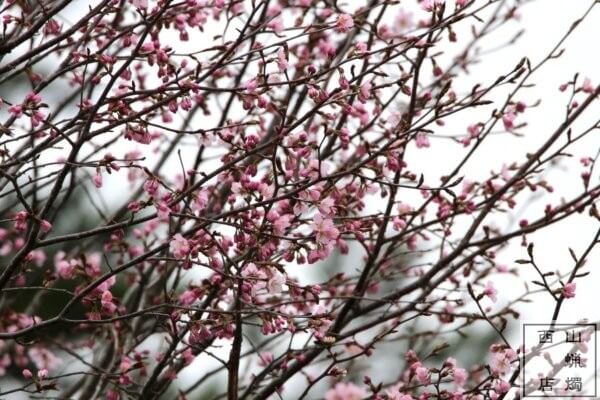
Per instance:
{"type": "Point", "coordinates": [238, 198]}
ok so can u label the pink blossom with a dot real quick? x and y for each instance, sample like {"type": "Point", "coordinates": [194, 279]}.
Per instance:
{"type": "Point", "coordinates": [166, 117]}
{"type": "Point", "coordinates": [37, 117]}
{"type": "Point", "coordinates": [343, 82]}
{"type": "Point", "coordinates": [344, 23]}
{"type": "Point", "coordinates": [451, 362]}
{"type": "Point", "coordinates": [281, 224]}
{"type": "Point", "coordinates": [404, 21]}
{"type": "Point", "coordinates": [142, 4]}
{"type": "Point", "coordinates": [163, 210]}
{"type": "Point", "coordinates": [180, 246]}
{"type": "Point", "coordinates": [346, 391]}
{"type": "Point", "coordinates": [188, 297]}
{"type": "Point", "coordinates": [505, 172]}
{"type": "Point", "coordinates": [148, 47]}
{"type": "Point", "coordinates": [16, 110]}
{"type": "Point", "coordinates": [490, 291]}
{"type": "Point", "coordinates": [43, 358]}
{"type": "Point", "coordinates": [327, 49]}
{"type": "Point", "coordinates": [429, 5]}
{"type": "Point", "coordinates": [460, 376]}
{"type": "Point", "coordinates": [502, 268]}
{"type": "Point", "coordinates": [327, 205]}
{"type": "Point", "coordinates": [151, 186]}
{"type": "Point", "coordinates": [282, 62]}
{"type": "Point", "coordinates": [112, 395]}
{"type": "Point", "coordinates": [138, 134]}
{"type": "Point", "coordinates": [66, 269]}
{"type": "Point", "coordinates": [108, 307]}
{"type": "Point", "coordinates": [52, 27]}
{"type": "Point", "coordinates": [21, 221]}
{"type": "Point", "coordinates": [33, 98]}
{"type": "Point", "coordinates": [361, 47]}
{"type": "Point", "coordinates": [188, 356]}
{"type": "Point", "coordinates": [199, 333]}
{"type": "Point", "coordinates": [134, 206]}
{"type": "Point", "coordinates": [569, 290]}
{"type": "Point", "coordinates": [274, 10]}
{"type": "Point", "coordinates": [422, 141]}
{"type": "Point", "coordinates": [501, 361]}
{"type": "Point", "coordinates": [277, 25]}
{"type": "Point", "coordinates": [586, 336]}
{"type": "Point", "coordinates": [45, 226]}
{"type": "Point", "coordinates": [587, 86]}
{"type": "Point", "coordinates": [251, 85]}
{"type": "Point", "coordinates": [508, 119]}
{"type": "Point", "coordinates": [324, 229]}
{"type": "Point", "coordinates": [502, 387]}
{"type": "Point", "coordinates": [98, 179]}
{"type": "Point", "coordinates": [276, 283]}
{"type": "Point", "coordinates": [265, 358]}
{"type": "Point", "coordinates": [422, 375]}
{"type": "Point", "coordinates": [474, 130]}
{"type": "Point", "coordinates": [365, 92]}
